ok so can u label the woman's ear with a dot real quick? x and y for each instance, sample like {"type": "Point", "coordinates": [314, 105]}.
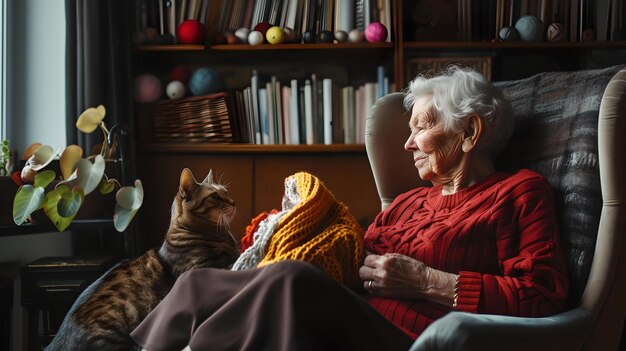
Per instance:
{"type": "Point", "coordinates": [473, 132]}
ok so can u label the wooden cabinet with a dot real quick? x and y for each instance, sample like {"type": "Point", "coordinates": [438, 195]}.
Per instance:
{"type": "Point", "coordinates": [254, 173]}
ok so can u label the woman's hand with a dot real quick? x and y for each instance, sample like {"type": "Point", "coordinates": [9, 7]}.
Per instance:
{"type": "Point", "coordinates": [398, 276]}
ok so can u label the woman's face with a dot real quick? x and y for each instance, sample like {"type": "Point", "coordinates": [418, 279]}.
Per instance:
{"type": "Point", "coordinates": [437, 153]}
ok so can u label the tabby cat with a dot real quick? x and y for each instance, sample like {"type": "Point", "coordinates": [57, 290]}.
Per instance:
{"type": "Point", "coordinates": [109, 309]}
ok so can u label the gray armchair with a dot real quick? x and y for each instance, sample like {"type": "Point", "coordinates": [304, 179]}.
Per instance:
{"type": "Point", "coordinates": [571, 128]}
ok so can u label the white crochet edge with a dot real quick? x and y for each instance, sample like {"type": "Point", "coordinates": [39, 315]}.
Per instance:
{"type": "Point", "coordinates": [255, 253]}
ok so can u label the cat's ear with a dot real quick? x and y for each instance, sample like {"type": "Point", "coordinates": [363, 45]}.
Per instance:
{"type": "Point", "coordinates": [187, 183]}
{"type": "Point", "coordinates": [209, 178]}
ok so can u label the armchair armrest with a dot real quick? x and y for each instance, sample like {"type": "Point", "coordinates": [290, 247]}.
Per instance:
{"type": "Point", "coordinates": [466, 331]}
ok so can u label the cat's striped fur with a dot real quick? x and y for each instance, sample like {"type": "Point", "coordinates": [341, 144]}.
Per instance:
{"type": "Point", "coordinates": [198, 236]}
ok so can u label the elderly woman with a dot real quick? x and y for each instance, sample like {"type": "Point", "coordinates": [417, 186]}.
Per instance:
{"type": "Point", "coordinates": [478, 240]}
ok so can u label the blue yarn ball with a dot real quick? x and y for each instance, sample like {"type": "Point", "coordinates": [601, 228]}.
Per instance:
{"type": "Point", "coordinates": [529, 28]}
{"type": "Point", "coordinates": [206, 80]}
{"type": "Point", "coordinates": [508, 33]}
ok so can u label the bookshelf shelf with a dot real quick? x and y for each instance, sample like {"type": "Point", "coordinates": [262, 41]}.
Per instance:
{"type": "Point", "coordinates": [203, 148]}
{"type": "Point", "coordinates": [151, 47]}
{"type": "Point", "coordinates": [497, 45]}
{"type": "Point", "coordinates": [266, 47]}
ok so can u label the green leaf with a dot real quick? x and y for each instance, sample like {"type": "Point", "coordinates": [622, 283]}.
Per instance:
{"type": "Point", "coordinates": [43, 156]}
{"type": "Point", "coordinates": [27, 200]}
{"type": "Point", "coordinates": [88, 175]}
{"type": "Point", "coordinates": [90, 119]}
{"type": "Point", "coordinates": [129, 200]}
{"type": "Point", "coordinates": [107, 185]}
{"type": "Point", "coordinates": [122, 218]}
{"type": "Point", "coordinates": [44, 178]}
{"type": "Point", "coordinates": [62, 205]}
{"type": "Point", "coordinates": [70, 202]}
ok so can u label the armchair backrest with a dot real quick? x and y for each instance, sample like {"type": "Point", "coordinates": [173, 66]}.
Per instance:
{"type": "Point", "coordinates": [570, 127]}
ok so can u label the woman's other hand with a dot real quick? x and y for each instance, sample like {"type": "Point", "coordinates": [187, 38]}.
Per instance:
{"type": "Point", "coordinates": [398, 276]}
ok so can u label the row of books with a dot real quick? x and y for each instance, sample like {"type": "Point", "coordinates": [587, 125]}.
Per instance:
{"type": "Point", "coordinates": [311, 111]}
{"type": "Point", "coordinates": [471, 20]}
{"type": "Point", "coordinates": [301, 16]}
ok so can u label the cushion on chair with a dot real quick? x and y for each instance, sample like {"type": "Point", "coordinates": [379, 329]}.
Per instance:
{"type": "Point", "coordinates": [556, 118]}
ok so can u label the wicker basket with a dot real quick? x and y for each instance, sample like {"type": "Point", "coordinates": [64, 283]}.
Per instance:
{"type": "Point", "coordinates": [194, 119]}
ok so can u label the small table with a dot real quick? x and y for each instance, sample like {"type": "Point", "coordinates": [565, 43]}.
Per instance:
{"type": "Point", "coordinates": [50, 285]}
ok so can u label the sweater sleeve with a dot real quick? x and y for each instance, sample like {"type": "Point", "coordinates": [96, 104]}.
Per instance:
{"type": "Point", "coordinates": [533, 280]}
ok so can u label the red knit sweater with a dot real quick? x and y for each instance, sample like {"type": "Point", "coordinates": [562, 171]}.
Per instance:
{"type": "Point", "coordinates": [499, 235]}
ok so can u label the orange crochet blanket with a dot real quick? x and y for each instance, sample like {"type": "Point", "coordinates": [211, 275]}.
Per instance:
{"type": "Point", "coordinates": [313, 227]}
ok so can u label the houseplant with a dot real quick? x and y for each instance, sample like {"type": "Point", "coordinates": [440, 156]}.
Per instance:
{"type": "Point", "coordinates": [61, 197]}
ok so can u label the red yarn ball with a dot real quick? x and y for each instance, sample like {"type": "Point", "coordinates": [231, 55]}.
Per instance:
{"type": "Point", "coordinates": [262, 27]}
{"type": "Point", "coordinates": [180, 73]}
{"type": "Point", "coordinates": [191, 32]}
{"type": "Point", "coordinates": [375, 32]}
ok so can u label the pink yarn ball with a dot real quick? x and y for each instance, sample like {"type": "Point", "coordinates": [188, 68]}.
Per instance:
{"type": "Point", "coordinates": [375, 32]}
{"type": "Point", "coordinates": [148, 88]}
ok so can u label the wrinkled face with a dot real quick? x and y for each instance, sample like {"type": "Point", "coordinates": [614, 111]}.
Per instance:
{"type": "Point", "coordinates": [437, 153]}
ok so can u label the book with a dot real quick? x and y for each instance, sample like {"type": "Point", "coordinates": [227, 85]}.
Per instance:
{"type": "Point", "coordinates": [348, 116]}
{"type": "Point", "coordinates": [278, 103]}
{"type": "Point", "coordinates": [344, 15]}
{"type": "Point", "coordinates": [380, 80]}
{"type": "Point", "coordinates": [254, 86]}
{"type": "Point", "coordinates": [182, 11]}
{"type": "Point", "coordinates": [308, 113]}
{"type": "Point", "coordinates": [616, 18]}
{"type": "Point", "coordinates": [271, 120]}
{"type": "Point", "coordinates": [336, 120]}
{"type": "Point", "coordinates": [327, 88]}
{"type": "Point", "coordinates": [265, 119]}
{"type": "Point", "coordinates": [574, 21]}
{"type": "Point", "coordinates": [294, 111]}
{"type": "Point", "coordinates": [171, 17]}
{"type": "Point", "coordinates": [204, 11]}
{"type": "Point", "coordinates": [286, 96]}
{"type": "Point", "coordinates": [291, 14]}
{"type": "Point", "coordinates": [602, 19]}
{"type": "Point", "coordinates": [161, 6]}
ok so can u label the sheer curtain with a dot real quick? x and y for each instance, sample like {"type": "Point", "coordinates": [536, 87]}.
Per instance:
{"type": "Point", "coordinates": [98, 68]}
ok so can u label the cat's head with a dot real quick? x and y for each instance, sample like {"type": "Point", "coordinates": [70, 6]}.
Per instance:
{"type": "Point", "coordinates": [202, 206]}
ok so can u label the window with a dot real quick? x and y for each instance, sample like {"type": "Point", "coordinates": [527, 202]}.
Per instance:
{"type": "Point", "coordinates": [3, 69]}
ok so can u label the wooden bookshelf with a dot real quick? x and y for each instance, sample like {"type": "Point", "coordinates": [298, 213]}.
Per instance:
{"type": "Point", "coordinates": [256, 172]}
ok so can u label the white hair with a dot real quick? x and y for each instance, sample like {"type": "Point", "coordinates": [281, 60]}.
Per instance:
{"type": "Point", "coordinates": [458, 93]}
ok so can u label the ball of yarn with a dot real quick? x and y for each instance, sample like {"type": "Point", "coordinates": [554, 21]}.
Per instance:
{"type": "Point", "coordinates": [175, 90]}
{"type": "Point", "coordinates": [326, 36]}
{"type": "Point", "coordinates": [290, 34]}
{"type": "Point", "coordinates": [355, 36]}
{"type": "Point", "coordinates": [555, 32]}
{"type": "Point", "coordinates": [206, 80]}
{"type": "Point", "coordinates": [191, 32]}
{"type": "Point", "coordinates": [148, 88]}
{"type": "Point", "coordinates": [341, 36]}
{"type": "Point", "coordinates": [309, 36]}
{"type": "Point", "coordinates": [255, 38]}
{"type": "Point", "coordinates": [375, 32]}
{"type": "Point", "coordinates": [529, 28]}
{"type": "Point", "coordinates": [242, 34]}
{"type": "Point", "coordinates": [275, 35]}
{"type": "Point", "coordinates": [181, 73]}
{"type": "Point", "coordinates": [508, 33]}
{"type": "Point", "coordinates": [262, 27]}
